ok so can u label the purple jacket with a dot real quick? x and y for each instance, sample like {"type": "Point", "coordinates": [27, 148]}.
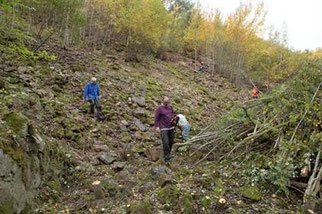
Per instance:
{"type": "Point", "coordinates": [163, 117]}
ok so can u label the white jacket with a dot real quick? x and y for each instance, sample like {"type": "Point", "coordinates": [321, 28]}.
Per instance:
{"type": "Point", "coordinates": [182, 120]}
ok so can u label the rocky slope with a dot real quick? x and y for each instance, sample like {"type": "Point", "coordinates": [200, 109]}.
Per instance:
{"type": "Point", "coordinates": [55, 154]}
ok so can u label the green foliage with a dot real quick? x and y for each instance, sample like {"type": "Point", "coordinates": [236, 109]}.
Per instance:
{"type": "Point", "coordinates": [17, 154]}
{"type": "Point", "coordinates": [144, 21]}
{"type": "Point", "coordinates": [145, 26]}
{"type": "Point", "coordinates": [16, 122]}
{"type": "Point", "coordinates": [169, 195]}
{"type": "Point", "coordinates": [280, 174]}
{"type": "Point", "coordinates": [44, 55]}
{"type": "Point", "coordinates": [186, 204]}
{"type": "Point", "coordinates": [143, 207]}
{"type": "Point", "coordinates": [206, 202]}
{"type": "Point", "coordinates": [25, 54]}
{"type": "Point", "coordinates": [6, 208]}
{"type": "Point", "coordinates": [289, 118]}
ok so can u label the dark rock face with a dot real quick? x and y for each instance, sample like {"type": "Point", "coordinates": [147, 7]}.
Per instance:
{"type": "Point", "coordinates": [20, 178]}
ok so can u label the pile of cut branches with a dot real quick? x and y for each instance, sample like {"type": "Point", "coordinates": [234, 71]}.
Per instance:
{"type": "Point", "coordinates": [284, 125]}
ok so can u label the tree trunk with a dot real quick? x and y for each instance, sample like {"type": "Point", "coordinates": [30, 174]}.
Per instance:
{"type": "Point", "coordinates": [66, 33]}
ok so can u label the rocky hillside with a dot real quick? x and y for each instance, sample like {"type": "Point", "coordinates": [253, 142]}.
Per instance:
{"type": "Point", "coordinates": [57, 158]}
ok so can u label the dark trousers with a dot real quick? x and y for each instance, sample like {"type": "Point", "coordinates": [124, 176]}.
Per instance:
{"type": "Point", "coordinates": [167, 137]}
{"type": "Point", "coordinates": [95, 104]}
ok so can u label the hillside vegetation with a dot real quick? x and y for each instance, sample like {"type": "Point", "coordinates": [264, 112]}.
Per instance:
{"type": "Point", "coordinates": [246, 156]}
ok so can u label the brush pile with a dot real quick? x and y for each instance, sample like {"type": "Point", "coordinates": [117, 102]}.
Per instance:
{"type": "Point", "coordinates": [283, 127]}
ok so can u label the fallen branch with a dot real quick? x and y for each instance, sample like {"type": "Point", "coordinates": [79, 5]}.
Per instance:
{"type": "Point", "coordinates": [298, 184]}
{"type": "Point", "coordinates": [313, 185]}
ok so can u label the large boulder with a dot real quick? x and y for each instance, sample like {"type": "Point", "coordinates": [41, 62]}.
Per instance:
{"type": "Point", "coordinates": [18, 183]}
{"type": "Point", "coordinates": [21, 164]}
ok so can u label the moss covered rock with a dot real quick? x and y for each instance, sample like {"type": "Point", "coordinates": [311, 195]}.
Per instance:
{"type": "Point", "coordinates": [6, 208]}
{"type": "Point", "coordinates": [252, 192]}
{"type": "Point", "coordinates": [17, 123]}
{"type": "Point", "coordinates": [143, 207]}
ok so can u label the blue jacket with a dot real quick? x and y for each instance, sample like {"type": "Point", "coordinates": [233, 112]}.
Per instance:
{"type": "Point", "coordinates": [91, 92]}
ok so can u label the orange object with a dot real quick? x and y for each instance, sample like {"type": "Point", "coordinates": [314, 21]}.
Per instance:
{"type": "Point", "coordinates": [255, 93]}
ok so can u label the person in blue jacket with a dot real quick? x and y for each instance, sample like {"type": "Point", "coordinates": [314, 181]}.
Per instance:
{"type": "Point", "coordinates": [91, 94]}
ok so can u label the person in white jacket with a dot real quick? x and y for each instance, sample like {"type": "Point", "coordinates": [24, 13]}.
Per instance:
{"type": "Point", "coordinates": [184, 125]}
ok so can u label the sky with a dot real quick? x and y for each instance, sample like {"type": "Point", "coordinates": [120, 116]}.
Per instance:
{"type": "Point", "coordinates": [302, 19]}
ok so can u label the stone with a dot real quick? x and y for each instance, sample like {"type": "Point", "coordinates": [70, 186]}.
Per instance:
{"type": "Point", "coordinates": [95, 183]}
{"type": "Point", "coordinates": [17, 185]}
{"type": "Point", "coordinates": [160, 170]}
{"type": "Point", "coordinates": [58, 66]}
{"type": "Point", "coordinates": [95, 130]}
{"type": "Point", "coordinates": [41, 92]}
{"type": "Point", "coordinates": [9, 69]}
{"type": "Point", "coordinates": [154, 153]}
{"type": "Point", "coordinates": [182, 63]}
{"type": "Point", "coordinates": [39, 142]}
{"type": "Point", "coordinates": [222, 201]}
{"type": "Point", "coordinates": [139, 125]}
{"type": "Point", "coordinates": [118, 166]}
{"type": "Point", "coordinates": [125, 123]}
{"type": "Point", "coordinates": [123, 128]}
{"type": "Point", "coordinates": [107, 157]}
{"type": "Point", "coordinates": [165, 180]}
{"type": "Point", "coordinates": [139, 100]}
{"type": "Point", "coordinates": [100, 148]}
{"type": "Point", "coordinates": [140, 113]}
{"type": "Point", "coordinates": [22, 69]}
{"type": "Point", "coordinates": [146, 187]}
{"type": "Point", "coordinates": [251, 192]}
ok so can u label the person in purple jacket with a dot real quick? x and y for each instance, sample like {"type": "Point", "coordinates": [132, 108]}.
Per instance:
{"type": "Point", "coordinates": [164, 115]}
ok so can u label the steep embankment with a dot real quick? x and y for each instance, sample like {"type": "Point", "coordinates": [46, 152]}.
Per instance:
{"type": "Point", "coordinates": [71, 162]}
{"type": "Point", "coordinates": [41, 106]}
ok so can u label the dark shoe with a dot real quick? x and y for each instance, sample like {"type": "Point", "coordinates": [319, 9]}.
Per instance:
{"type": "Point", "coordinates": [100, 117]}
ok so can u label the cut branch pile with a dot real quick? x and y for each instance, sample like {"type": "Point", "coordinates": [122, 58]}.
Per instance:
{"type": "Point", "coordinates": [285, 126]}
